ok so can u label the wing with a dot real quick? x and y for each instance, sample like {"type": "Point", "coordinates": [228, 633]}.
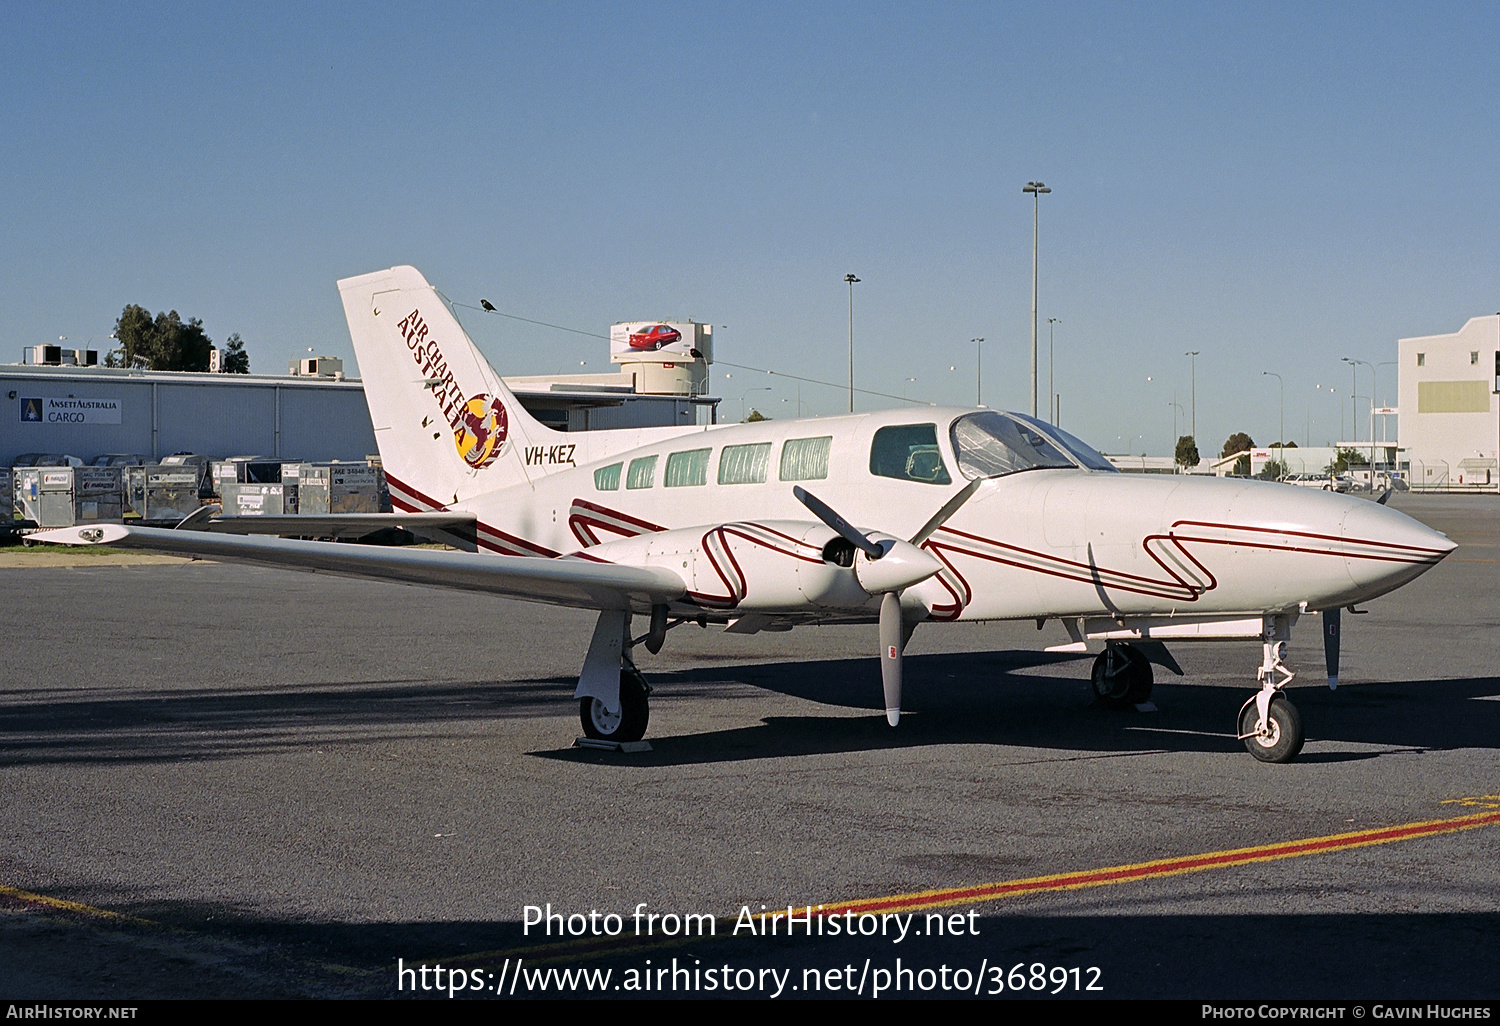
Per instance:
{"type": "Point", "coordinates": [559, 582]}
{"type": "Point", "coordinates": [453, 528]}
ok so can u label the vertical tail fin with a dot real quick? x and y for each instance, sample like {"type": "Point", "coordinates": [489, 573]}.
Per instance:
{"type": "Point", "coordinates": [447, 426]}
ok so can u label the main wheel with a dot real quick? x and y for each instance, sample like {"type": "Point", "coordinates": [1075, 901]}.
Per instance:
{"type": "Point", "coordinates": [1282, 739]}
{"type": "Point", "coordinates": [1121, 677]}
{"type": "Point", "coordinates": [629, 724]}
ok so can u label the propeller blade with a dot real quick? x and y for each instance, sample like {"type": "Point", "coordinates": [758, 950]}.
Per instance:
{"type": "Point", "coordinates": [891, 645]}
{"type": "Point", "coordinates": [949, 508]}
{"type": "Point", "coordinates": [845, 530]}
{"type": "Point", "coordinates": [1331, 618]}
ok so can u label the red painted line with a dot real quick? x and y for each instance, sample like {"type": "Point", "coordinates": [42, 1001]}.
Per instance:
{"type": "Point", "coordinates": [1164, 867]}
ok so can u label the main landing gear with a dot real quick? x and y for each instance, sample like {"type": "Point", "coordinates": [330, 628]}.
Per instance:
{"type": "Point", "coordinates": [614, 702]}
{"type": "Point", "coordinates": [629, 721]}
{"type": "Point", "coordinates": [1269, 723]}
{"type": "Point", "coordinates": [1122, 676]}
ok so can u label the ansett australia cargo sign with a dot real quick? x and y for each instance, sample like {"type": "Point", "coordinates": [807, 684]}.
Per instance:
{"type": "Point", "coordinates": [43, 410]}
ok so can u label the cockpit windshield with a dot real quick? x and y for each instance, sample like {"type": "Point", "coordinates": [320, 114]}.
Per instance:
{"type": "Point", "coordinates": [992, 444]}
{"type": "Point", "coordinates": [1086, 454]}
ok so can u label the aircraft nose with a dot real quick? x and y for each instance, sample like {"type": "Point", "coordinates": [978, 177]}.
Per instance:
{"type": "Point", "coordinates": [1384, 548]}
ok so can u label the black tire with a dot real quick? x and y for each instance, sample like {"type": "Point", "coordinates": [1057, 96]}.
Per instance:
{"type": "Point", "coordinates": [1121, 677]}
{"type": "Point", "coordinates": [635, 711]}
{"type": "Point", "coordinates": [1284, 736]}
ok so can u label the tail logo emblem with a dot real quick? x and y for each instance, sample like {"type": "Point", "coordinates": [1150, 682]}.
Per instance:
{"type": "Point", "coordinates": [480, 432]}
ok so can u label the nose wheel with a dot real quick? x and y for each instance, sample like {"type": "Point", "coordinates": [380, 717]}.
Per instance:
{"type": "Point", "coordinates": [1279, 738]}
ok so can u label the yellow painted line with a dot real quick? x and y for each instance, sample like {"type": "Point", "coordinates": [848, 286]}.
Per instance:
{"type": "Point", "coordinates": [1158, 868]}
{"type": "Point", "coordinates": [61, 905]}
{"type": "Point", "coordinates": [32, 899]}
{"type": "Point", "coordinates": [992, 892]}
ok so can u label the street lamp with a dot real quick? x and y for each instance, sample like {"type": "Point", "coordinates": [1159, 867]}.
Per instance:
{"type": "Point", "coordinates": [1194, 371]}
{"type": "Point", "coordinates": [1051, 323]}
{"type": "Point", "coordinates": [1353, 374]}
{"type": "Point", "coordinates": [1281, 436]}
{"type": "Point", "coordinates": [851, 279]}
{"type": "Point", "coordinates": [1036, 189]}
{"type": "Point", "coordinates": [978, 371]}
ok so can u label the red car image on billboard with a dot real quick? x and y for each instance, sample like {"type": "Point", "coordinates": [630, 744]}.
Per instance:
{"type": "Point", "coordinates": [655, 337]}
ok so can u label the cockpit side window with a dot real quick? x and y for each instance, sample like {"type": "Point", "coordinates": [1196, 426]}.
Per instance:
{"type": "Point", "coordinates": [992, 444]}
{"type": "Point", "coordinates": [908, 452]}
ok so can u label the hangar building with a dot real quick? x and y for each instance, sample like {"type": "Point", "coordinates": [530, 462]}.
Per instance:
{"type": "Point", "coordinates": [85, 410]}
{"type": "Point", "coordinates": [1450, 413]}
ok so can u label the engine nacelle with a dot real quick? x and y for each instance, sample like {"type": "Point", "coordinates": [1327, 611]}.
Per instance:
{"type": "Point", "coordinates": [772, 566]}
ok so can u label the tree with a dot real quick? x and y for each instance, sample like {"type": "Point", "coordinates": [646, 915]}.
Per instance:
{"type": "Point", "coordinates": [1239, 442]}
{"type": "Point", "coordinates": [236, 360]}
{"type": "Point", "coordinates": [163, 342]}
{"type": "Point", "coordinates": [1187, 452]}
{"type": "Point", "coordinates": [1274, 470]}
{"type": "Point", "coordinates": [1347, 458]}
{"type": "Point", "coordinates": [755, 417]}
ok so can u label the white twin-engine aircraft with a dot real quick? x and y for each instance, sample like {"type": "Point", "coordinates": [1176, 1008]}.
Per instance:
{"type": "Point", "coordinates": [964, 515]}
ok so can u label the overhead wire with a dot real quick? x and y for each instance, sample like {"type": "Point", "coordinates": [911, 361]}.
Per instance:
{"type": "Point", "coordinates": [721, 363]}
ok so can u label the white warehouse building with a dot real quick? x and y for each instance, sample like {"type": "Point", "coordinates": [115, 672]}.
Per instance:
{"type": "Point", "coordinates": [1450, 414]}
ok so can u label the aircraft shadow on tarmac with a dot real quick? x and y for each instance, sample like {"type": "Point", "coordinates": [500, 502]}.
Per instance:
{"type": "Point", "coordinates": [968, 698]}
{"type": "Point", "coordinates": [978, 698]}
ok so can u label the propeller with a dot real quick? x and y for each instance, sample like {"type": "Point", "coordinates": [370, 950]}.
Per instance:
{"type": "Point", "coordinates": [1331, 618]}
{"type": "Point", "coordinates": [890, 566]}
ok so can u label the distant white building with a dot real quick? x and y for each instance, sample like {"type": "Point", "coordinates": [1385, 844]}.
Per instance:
{"type": "Point", "coordinates": [1450, 416]}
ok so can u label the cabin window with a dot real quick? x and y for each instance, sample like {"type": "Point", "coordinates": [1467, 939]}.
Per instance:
{"type": "Point", "coordinates": [687, 468]}
{"type": "Point", "coordinates": [641, 473]}
{"type": "Point", "coordinates": [1421, 359]}
{"type": "Point", "coordinates": [744, 464]}
{"type": "Point", "coordinates": [607, 479]}
{"type": "Point", "coordinates": [805, 459]}
{"type": "Point", "coordinates": [1474, 357]}
{"type": "Point", "coordinates": [992, 444]}
{"type": "Point", "coordinates": [908, 452]}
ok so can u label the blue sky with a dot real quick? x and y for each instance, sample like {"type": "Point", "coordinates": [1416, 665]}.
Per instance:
{"type": "Point", "coordinates": [1275, 185]}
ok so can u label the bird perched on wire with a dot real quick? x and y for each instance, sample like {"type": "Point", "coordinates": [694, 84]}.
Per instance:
{"type": "Point", "coordinates": [488, 306]}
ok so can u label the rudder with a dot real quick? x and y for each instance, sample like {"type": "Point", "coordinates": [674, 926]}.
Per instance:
{"type": "Point", "coordinates": [448, 428]}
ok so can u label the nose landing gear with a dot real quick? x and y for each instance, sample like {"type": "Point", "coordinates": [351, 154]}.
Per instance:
{"type": "Point", "coordinates": [1269, 723]}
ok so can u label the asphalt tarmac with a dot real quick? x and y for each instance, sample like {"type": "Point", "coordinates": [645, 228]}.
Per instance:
{"type": "Point", "coordinates": [222, 781]}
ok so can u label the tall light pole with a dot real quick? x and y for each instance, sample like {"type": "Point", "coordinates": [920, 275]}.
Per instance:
{"type": "Point", "coordinates": [1353, 388]}
{"type": "Point", "coordinates": [1052, 322]}
{"type": "Point", "coordinates": [851, 279]}
{"type": "Point", "coordinates": [1036, 189]}
{"type": "Point", "coordinates": [1281, 437]}
{"type": "Point", "coordinates": [978, 371]}
{"type": "Point", "coordinates": [1193, 354]}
